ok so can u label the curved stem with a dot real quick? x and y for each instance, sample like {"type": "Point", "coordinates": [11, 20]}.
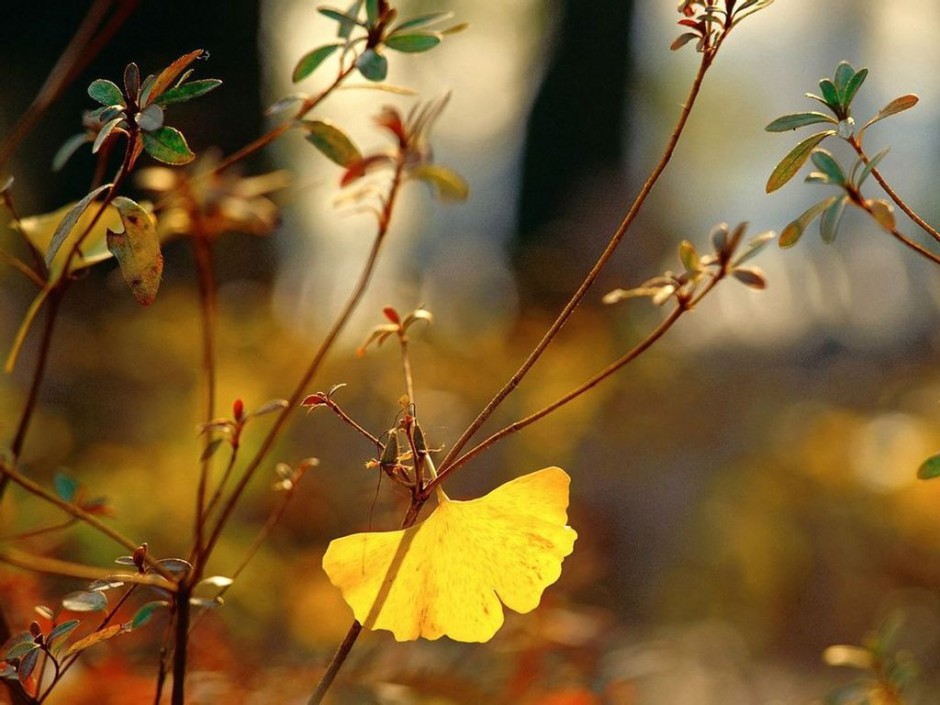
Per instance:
{"type": "Point", "coordinates": [591, 277]}
{"type": "Point", "coordinates": [629, 357]}
{"type": "Point", "coordinates": [203, 253]}
{"type": "Point", "coordinates": [893, 195]}
{"type": "Point", "coordinates": [325, 346]}
{"type": "Point", "coordinates": [339, 658]}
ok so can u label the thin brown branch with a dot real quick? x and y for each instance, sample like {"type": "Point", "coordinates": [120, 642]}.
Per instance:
{"type": "Point", "coordinates": [325, 346]}
{"type": "Point", "coordinates": [893, 195]}
{"type": "Point", "coordinates": [591, 277]}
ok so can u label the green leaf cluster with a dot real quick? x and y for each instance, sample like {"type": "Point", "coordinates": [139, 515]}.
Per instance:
{"type": "Point", "coordinates": [136, 111]}
{"type": "Point", "coordinates": [367, 27]}
{"type": "Point", "coordinates": [836, 94]}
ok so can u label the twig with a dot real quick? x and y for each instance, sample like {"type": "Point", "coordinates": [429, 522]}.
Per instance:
{"type": "Point", "coordinates": [578, 296]}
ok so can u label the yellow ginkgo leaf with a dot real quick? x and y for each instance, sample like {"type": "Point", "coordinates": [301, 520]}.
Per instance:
{"type": "Point", "coordinates": [447, 575]}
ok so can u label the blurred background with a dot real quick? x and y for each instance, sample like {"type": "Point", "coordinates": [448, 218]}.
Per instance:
{"type": "Point", "coordinates": [745, 493]}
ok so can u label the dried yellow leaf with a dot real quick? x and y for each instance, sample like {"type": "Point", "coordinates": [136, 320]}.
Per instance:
{"type": "Point", "coordinates": [447, 575]}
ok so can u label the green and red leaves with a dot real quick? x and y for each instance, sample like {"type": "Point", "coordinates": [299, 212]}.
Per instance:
{"type": "Point", "coordinates": [137, 112]}
{"type": "Point", "coordinates": [137, 250]}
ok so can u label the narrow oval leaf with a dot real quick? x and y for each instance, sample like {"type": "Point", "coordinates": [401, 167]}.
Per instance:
{"type": "Point", "coordinates": [106, 93]}
{"type": "Point", "coordinates": [85, 601]}
{"type": "Point", "coordinates": [68, 148]}
{"type": "Point", "coordinates": [794, 231]}
{"type": "Point", "coordinates": [688, 256]}
{"type": "Point", "coordinates": [188, 91]}
{"type": "Point", "coordinates": [167, 77]}
{"type": "Point", "coordinates": [311, 60]}
{"type": "Point", "coordinates": [831, 217]}
{"type": "Point", "coordinates": [423, 20]}
{"type": "Point", "coordinates": [446, 184]}
{"type": "Point", "coordinates": [372, 65]}
{"type": "Point", "coordinates": [28, 665]}
{"type": "Point", "coordinates": [829, 93]}
{"type": "Point", "coordinates": [145, 613]}
{"type": "Point", "coordinates": [792, 122]}
{"type": "Point", "coordinates": [851, 88]}
{"type": "Point", "coordinates": [332, 142]}
{"type": "Point", "coordinates": [132, 80]}
{"type": "Point", "coordinates": [137, 250]}
{"type": "Point", "coordinates": [68, 222]}
{"type": "Point", "coordinates": [898, 105]}
{"type": "Point", "coordinates": [210, 449]}
{"type": "Point", "coordinates": [94, 638]}
{"type": "Point", "coordinates": [870, 166]}
{"type": "Point", "coordinates": [682, 40]}
{"type": "Point", "coordinates": [167, 145]}
{"type": "Point", "coordinates": [791, 163]}
{"type": "Point", "coordinates": [105, 132]}
{"type": "Point", "coordinates": [56, 638]}
{"type": "Point", "coordinates": [345, 19]}
{"type": "Point", "coordinates": [372, 12]}
{"type": "Point", "coordinates": [843, 75]}
{"type": "Point", "coordinates": [751, 277]}
{"type": "Point", "coordinates": [829, 166]}
{"type": "Point", "coordinates": [413, 43]}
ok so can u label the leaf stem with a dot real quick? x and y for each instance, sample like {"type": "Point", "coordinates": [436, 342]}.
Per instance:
{"type": "Point", "coordinates": [325, 346]}
{"type": "Point", "coordinates": [593, 274]}
{"type": "Point", "coordinates": [893, 195]}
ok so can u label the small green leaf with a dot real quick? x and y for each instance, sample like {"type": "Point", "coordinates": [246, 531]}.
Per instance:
{"type": "Point", "coordinates": [794, 231]}
{"type": "Point", "coordinates": [851, 88]}
{"type": "Point", "coordinates": [346, 27]}
{"type": "Point", "coordinates": [930, 468]}
{"type": "Point", "coordinates": [843, 74]}
{"type": "Point", "coordinates": [413, 43]}
{"type": "Point", "coordinates": [105, 133]}
{"type": "Point", "coordinates": [870, 166]}
{"type": "Point", "coordinates": [792, 122]}
{"type": "Point", "coordinates": [829, 166]}
{"type": "Point", "coordinates": [56, 638]}
{"type": "Point", "coordinates": [372, 65]}
{"type": "Point", "coordinates": [106, 92]}
{"type": "Point", "coordinates": [898, 105]}
{"type": "Point", "coordinates": [68, 222]}
{"type": "Point", "coordinates": [145, 613]}
{"type": "Point", "coordinates": [829, 93]}
{"type": "Point", "coordinates": [65, 487]}
{"type": "Point", "coordinates": [167, 145]}
{"type": "Point", "coordinates": [791, 163]}
{"type": "Point", "coordinates": [332, 142]}
{"type": "Point", "coordinates": [68, 148]}
{"type": "Point", "coordinates": [286, 103]}
{"type": "Point", "coordinates": [345, 20]}
{"type": "Point", "coordinates": [831, 217]}
{"type": "Point", "coordinates": [28, 664]}
{"type": "Point", "coordinates": [137, 250]}
{"type": "Point", "coordinates": [423, 20]}
{"type": "Point", "coordinates": [188, 91]}
{"type": "Point", "coordinates": [311, 60]}
{"type": "Point", "coordinates": [447, 185]}
{"type": "Point", "coordinates": [85, 601]}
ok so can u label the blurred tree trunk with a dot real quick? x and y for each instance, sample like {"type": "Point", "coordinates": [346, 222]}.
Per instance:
{"type": "Point", "coordinates": [574, 142]}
